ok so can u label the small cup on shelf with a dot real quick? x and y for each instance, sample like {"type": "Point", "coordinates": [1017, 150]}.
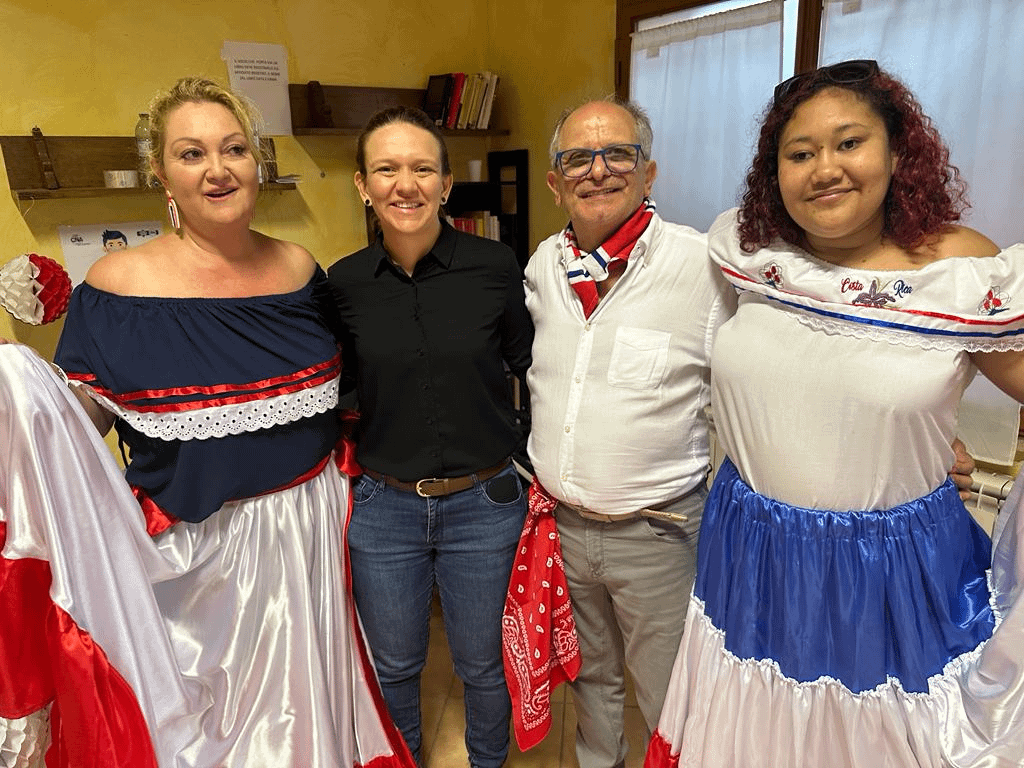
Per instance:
{"type": "Point", "coordinates": [120, 179]}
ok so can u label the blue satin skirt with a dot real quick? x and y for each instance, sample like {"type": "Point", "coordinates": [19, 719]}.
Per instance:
{"type": "Point", "coordinates": [860, 597]}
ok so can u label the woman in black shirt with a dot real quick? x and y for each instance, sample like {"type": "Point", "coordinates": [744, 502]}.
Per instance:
{"type": "Point", "coordinates": [428, 318]}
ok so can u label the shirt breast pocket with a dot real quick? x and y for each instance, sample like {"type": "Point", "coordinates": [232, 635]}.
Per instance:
{"type": "Point", "coordinates": [639, 358]}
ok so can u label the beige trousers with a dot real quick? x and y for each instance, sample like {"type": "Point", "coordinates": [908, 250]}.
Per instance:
{"type": "Point", "coordinates": [629, 582]}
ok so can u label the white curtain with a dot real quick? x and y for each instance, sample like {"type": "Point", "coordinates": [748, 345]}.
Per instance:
{"type": "Point", "coordinates": [962, 59]}
{"type": "Point", "coordinates": [704, 82]}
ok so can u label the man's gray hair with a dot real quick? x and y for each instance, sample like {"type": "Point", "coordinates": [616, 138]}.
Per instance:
{"type": "Point", "coordinates": [641, 125]}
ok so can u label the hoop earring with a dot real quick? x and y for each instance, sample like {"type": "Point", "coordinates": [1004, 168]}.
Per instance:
{"type": "Point", "coordinates": [366, 202]}
{"type": "Point", "coordinates": [444, 200]}
{"type": "Point", "coordinates": [172, 213]}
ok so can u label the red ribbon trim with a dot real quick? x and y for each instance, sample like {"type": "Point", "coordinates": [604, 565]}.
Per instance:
{"type": "Point", "coordinates": [332, 365]}
{"type": "Point", "coordinates": [158, 519]}
{"type": "Point", "coordinates": [196, 405]}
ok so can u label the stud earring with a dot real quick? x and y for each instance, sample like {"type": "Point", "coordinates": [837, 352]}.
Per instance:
{"type": "Point", "coordinates": [366, 202]}
{"type": "Point", "coordinates": [172, 213]}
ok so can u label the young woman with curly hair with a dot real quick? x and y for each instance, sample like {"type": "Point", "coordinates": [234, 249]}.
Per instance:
{"type": "Point", "coordinates": [926, 192]}
{"type": "Point", "coordinates": [844, 613]}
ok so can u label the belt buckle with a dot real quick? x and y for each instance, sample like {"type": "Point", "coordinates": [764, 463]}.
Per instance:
{"type": "Point", "coordinates": [419, 486]}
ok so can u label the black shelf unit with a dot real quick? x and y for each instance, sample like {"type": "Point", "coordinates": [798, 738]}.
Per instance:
{"type": "Point", "coordinates": [509, 171]}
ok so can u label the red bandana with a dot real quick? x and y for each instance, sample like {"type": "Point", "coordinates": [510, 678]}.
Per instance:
{"type": "Point", "coordinates": [539, 642]}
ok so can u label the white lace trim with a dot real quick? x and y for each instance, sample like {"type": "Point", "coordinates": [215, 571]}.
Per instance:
{"type": "Point", "coordinates": [952, 670]}
{"type": "Point", "coordinates": [993, 598]}
{"type": "Point", "coordinates": [236, 419]}
{"type": "Point", "coordinates": [906, 338]}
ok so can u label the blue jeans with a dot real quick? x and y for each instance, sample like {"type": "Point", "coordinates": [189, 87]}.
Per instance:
{"type": "Point", "coordinates": [400, 546]}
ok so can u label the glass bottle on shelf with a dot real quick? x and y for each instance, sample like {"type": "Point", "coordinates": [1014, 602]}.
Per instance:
{"type": "Point", "coordinates": [142, 146]}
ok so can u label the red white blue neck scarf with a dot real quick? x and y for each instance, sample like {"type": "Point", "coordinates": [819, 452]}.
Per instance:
{"type": "Point", "coordinates": [587, 269]}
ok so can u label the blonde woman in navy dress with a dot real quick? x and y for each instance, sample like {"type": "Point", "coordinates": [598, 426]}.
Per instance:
{"type": "Point", "coordinates": [847, 610]}
{"type": "Point", "coordinates": [207, 350]}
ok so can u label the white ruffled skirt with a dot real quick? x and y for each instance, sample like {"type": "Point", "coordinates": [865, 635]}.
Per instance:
{"type": "Point", "coordinates": [849, 640]}
{"type": "Point", "coordinates": [237, 636]}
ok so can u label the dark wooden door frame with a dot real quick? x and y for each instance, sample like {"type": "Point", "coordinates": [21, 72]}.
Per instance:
{"type": "Point", "coordinates": [629, 12]}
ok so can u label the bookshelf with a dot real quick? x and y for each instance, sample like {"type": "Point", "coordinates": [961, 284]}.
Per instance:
{"type": "Point", "coordinates": [343, 110]}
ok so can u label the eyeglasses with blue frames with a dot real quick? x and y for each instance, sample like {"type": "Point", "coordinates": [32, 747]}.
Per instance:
{"type": "Point", "coordinates": [619, 159]}
{"type": "Point", "coordinates": [843, 73]}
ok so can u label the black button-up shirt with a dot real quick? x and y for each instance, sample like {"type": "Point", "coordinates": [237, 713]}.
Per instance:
{"type": "Point", "coordinates": [427, 353]}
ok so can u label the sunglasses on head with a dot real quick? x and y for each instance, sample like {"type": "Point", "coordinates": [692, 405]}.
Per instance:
{"type": "Point", "coordinates": [843, 73]}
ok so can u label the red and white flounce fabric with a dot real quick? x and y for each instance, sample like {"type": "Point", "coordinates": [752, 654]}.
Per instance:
{"type": "Point", "coordinates": [726, 712]}
{"type": "Point", "coordinates": [233, 642]}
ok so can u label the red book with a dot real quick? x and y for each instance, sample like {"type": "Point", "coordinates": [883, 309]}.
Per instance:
{"type": "Point", "coordinates": [453, 103]}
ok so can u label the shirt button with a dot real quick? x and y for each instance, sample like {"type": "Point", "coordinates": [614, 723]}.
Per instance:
{"type": "Point", "coordinates": [568, 429]}
{"type": "Point", "coordinates": [564, 476]}
{"type": "Point", "coordinates": [586, 327]}
{"type": "Point", "coordinates": [577, 379]}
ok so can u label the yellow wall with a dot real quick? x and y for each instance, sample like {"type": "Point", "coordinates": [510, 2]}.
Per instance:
{"type": "Point", "coordinates": [87, 67]}
{"type": "Point", "coordinates": [557, 54]}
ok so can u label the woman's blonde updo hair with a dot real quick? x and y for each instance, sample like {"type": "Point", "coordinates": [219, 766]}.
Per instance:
{"type": "Point", "coordinates": [199, 90]}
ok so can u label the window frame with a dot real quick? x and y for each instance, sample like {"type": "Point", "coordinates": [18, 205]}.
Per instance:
{"type": "Point", "coordinates": [628, 13]}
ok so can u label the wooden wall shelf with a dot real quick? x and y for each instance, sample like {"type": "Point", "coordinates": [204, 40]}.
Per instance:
{"type": "Point", "coordinates": [342, 110]}
{"type": "Point", "coordinates": [69, 193]}
{"type": "Point", "coordinates": [65, 167]}
{"type": "Point", "coordinates": [357, 131]}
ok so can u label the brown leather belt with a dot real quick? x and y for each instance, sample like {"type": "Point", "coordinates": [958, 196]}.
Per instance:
{"type": "Point", "coordinates": [656, 512]}
{"type": "Point", "coordinates": [675, 517]}
{"type": "Point", "coordinates": [438, 486]}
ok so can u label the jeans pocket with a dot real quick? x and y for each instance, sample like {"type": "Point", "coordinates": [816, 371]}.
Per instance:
{"type": "Point", "coordinates": [667, 529]}
{"type": "Point", "coordinates": [504, 488]}
{"type": "Point", "coordinates": [364, 488]}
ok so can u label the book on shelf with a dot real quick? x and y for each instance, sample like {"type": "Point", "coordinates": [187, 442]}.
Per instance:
{"type": "Point", "coordinates": [485, 81]}
{"type": "Point", "coordinates": [437, 97]}
{"type": "Point", "coordinates": [480, 223]}
{"type": "Point", "coordinates": [468, 94]}
{"type": "Point", "coordinates": [467, 106]}
{"type": "Point", "coordinates": [458, 85]}
{"type": "Point", "coordinates": [485, 110]}
{"type": "Point", "coordinates": [460, 100]}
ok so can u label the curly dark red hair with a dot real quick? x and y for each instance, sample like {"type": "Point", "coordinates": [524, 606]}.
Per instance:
{"type": "Point", "coordinates": [925, 194]}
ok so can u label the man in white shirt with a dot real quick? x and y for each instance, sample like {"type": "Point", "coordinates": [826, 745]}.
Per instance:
{"type": "Point", "coordinates": [625, 307]}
